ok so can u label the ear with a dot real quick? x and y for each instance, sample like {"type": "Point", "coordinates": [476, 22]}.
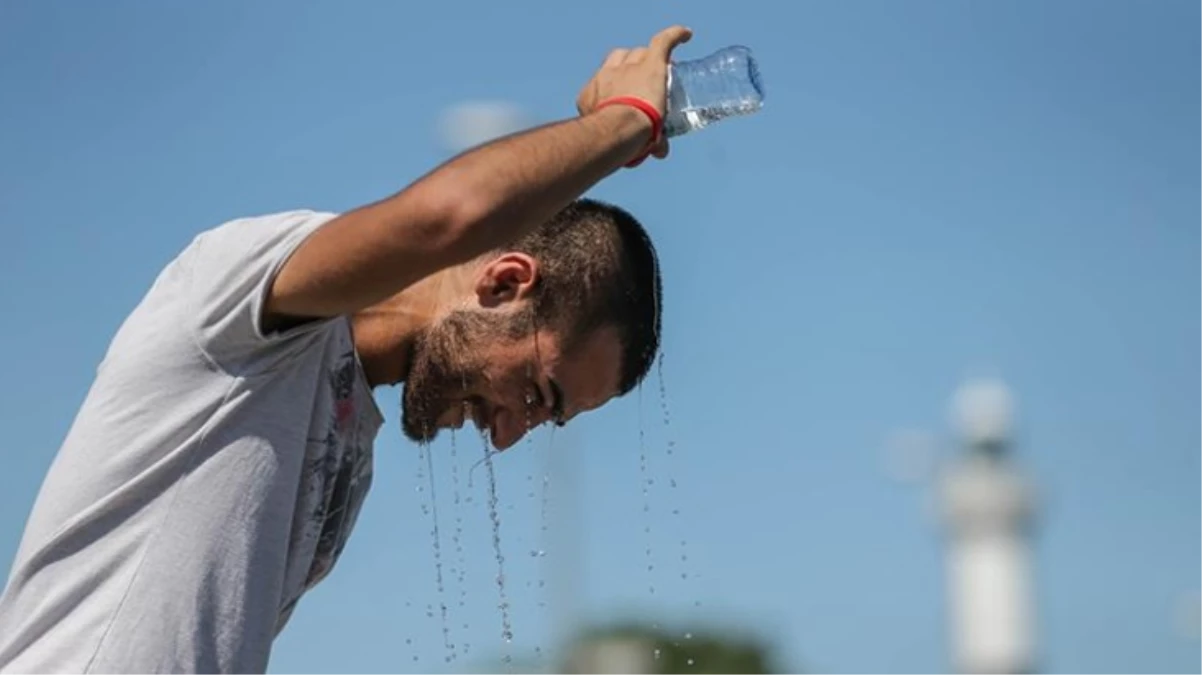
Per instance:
{"type": "Point", "coordinates": [509, 277]}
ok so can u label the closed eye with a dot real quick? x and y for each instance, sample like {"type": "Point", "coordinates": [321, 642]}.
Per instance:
{"type": "Point", "coordinates": [535, 400]}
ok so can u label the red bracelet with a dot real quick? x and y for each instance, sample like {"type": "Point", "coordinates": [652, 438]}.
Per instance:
{"type": "Point", "coordinates": [652, 113]}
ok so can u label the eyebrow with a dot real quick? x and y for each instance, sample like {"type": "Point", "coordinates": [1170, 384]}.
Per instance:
{"type": "Point", "coordinates": [556, 402]}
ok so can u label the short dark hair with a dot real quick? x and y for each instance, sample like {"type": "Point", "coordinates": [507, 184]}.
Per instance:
{"type": "Point", "coordinates": [599, 269]}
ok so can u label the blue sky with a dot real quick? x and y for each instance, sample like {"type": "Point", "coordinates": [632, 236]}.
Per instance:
{"type": "Point", "coordinates": [935, 190]}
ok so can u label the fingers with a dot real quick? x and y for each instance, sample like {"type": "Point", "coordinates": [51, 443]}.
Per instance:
{"type": "Point", "coordinates": [619, 56]}
{"type": "Point", "coordinates": [665, 41]}
{"type": "Point", "coordinates": [660, 47]}
{"type": "Point", "coordinates": [615, 58]}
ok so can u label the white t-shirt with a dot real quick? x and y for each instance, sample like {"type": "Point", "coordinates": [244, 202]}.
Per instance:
{"type": "Point", "coordinates": [211, 477]}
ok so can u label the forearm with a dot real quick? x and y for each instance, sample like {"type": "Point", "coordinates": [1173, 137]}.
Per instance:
{"type": "Point", "coordinates": [474, 203]}
{"type": "Point", "coordinates": [503, 189]}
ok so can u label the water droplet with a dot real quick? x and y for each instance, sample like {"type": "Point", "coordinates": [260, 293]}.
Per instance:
{"type": "Point", "coordinates": [408, 641]}
{"type": "Point", "coordinates": [538, 554]}
{"type": "Point", "coordinates": [684, 575]}
{"type": "Point", "coordinates": [657, 653]}
{"type": "Point", "coordinates": [503, 605]}
{"type": "Point", "coordinates": [647, 482]}
{"type": "Point", "coordinates": [460, 569]}
{"type": "Point", "coordinates": [690, 662]}
{"type": "Point", "coordinates": [688, 636]}
{"type": "Point", "coordinates": [676, 512]}
{"type": "Point", "coordinates": [672, 482]}
{"type": "Point", "coordinates": [431, 509]}
{"type": "Point", "coordinates": [415, 658]}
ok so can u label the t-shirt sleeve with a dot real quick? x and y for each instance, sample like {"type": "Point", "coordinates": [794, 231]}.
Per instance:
{"type": "Point", "coordinates": [232, 268]}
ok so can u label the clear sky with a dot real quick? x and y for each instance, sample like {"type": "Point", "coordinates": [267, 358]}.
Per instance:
{"type": "Point", "coordinates": [935, 190]}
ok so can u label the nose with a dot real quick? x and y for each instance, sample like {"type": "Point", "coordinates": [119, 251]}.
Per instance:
{"type": "Point", "coordinates": [508, 428]}
{"type": "Point", "coordinates": [505, 432]}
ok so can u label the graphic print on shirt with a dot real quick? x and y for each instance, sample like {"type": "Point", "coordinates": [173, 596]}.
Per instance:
{"type": "Point", "coordinates": [345, 474]}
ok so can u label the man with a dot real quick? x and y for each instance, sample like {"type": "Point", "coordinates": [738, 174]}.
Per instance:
{"type": "Point", "coordinates": [219, 462]}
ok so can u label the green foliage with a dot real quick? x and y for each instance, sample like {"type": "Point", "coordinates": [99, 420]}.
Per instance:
{"type": "Point", "coordinates": [706, 651]}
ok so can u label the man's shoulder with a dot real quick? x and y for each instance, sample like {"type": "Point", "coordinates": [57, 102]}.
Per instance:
{"type": "Point", "coordinates": [252, 225]}
{"type": "Point", "coordinates": [230, 270]}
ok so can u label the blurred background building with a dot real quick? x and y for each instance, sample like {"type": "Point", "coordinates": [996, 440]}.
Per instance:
{"type": "Point", "coordinates": [989, 509]}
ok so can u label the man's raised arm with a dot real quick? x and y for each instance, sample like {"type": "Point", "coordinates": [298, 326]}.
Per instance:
{"type": "Point", "coordinates": [479, 200]}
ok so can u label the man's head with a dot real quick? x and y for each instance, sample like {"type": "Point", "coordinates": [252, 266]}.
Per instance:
{"type": "Point", "coordinates": [562, 321]}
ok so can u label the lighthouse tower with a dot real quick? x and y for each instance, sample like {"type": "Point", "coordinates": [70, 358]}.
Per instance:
{"type": "Point", "coordinates": [988, 510]}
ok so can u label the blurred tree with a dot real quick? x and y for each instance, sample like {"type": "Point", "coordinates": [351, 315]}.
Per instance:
{"type": "Point", "coordinates": [634, 647]}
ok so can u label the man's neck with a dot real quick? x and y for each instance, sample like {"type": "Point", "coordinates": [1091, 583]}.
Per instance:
{"type": "Point", "coordinates": [385, 333]}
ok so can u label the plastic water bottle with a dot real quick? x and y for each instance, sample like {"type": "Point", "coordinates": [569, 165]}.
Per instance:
{"type": "Point", "coordinates": [701, 92]}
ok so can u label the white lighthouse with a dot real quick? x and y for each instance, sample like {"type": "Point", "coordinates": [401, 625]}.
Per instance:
{"type": "Point", "coordinates": [988, 508]}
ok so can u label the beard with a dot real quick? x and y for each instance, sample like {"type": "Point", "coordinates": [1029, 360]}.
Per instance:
{"type": "Point", "coordinates": [444, 366]}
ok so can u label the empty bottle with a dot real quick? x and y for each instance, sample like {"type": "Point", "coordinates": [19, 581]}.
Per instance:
{"type": "Point", "coordinates": [703, 91]}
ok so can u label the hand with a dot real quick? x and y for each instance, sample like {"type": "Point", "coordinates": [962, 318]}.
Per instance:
{"type": "Point", "coordinates": [641, 72]}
